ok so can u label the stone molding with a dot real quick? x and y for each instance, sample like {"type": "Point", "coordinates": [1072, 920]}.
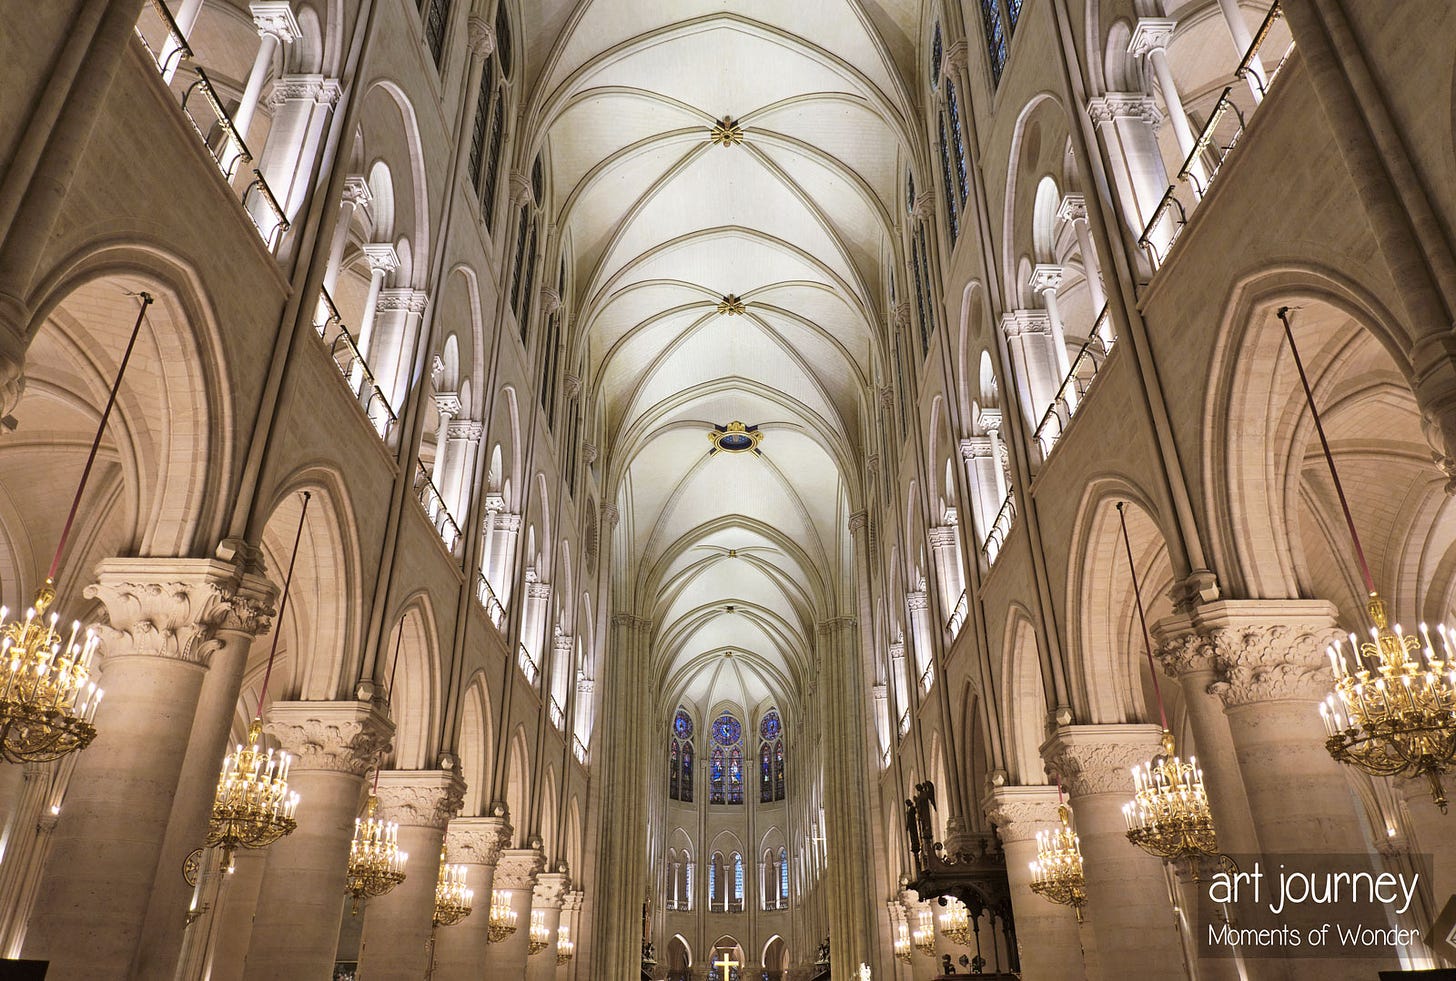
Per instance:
{"type": "Point", "coordinates": [561, 643]}
{"type": "Point", "coordinates": [858, 521]}
{"type": "Point", "coordinates": [1096, 759]}
{"type": "Point", "coordinates": [381, 257]}
{"type": "Point", "coordinates": [942, 536]}
{"type": "Point", "coordinates": [922, 208]}
{"type": "Point", "coordinates": [356, 191]}
{"type": "Point", "coordinates": [954, 59]}
{"type": "Point", "coordinates": [1045, 276]}
{"type": "Point", "coordinates": [536, 589]}
{"type": "Point", "coordinates": [520, 184]}
{"type": "Point", "coordinates": [517, 868]}
{"type": "Point", "coordinates": [917, 600]}
{"type": "Point", "coordinates": [1263, 650]}
{"type": "Point", "coordinates": [550, 890]}
{"type": "Point", "coordinates": [571, 385]}
{"type": "Point", "coordinates": [275, 17]}
{"type": "Point", "coordinates": [611, 515]}
{"type": "Point", "coordinates": [174, 608]}
{"type": "Point", "coordinates": [507, 520]}
{"type": "Point", "coordinates": [469, 429]}
{"type": "Point", "coordinates": [447, 403]}
{"type": "Point", "coordinates": [420, 798]}
{"type": "Point", "coordinates": [403, 298]}
{"type": "Point", "coordinates": [897, 650]}
{"type": "Point", "coordinates": [1020, 812]}
{"type": "Point", "coordinates": [480, 36]}
{"type": "Point", "coordinates": [589, 451]}
{"type": "Point", "coordinates": [304, 88]}
{"type": "Point", "coordinates": [478, 840]}
{"type": "Point", "coordinates": [887, 398]}
{"type": "Point", "coordinates": [586, 686]}
{"type": "Point", "coordinates": [990, 419]}
{"type": "Point", "coordinates": [550, 299]}
{"type": "Point", "coordinates": [900, 315]}
{"type": "Point", "coordinates": [975, 447]}
{"type": "Point", "coordinates": [1017, 323]}
{"type": "Point", "coordinates": [836, 623]}
{"type": "Point", "coordinates": [572, 901]}
{"type": "Point", "coordinates": [880, 691]}
{"type": "Point", "coordinates": [350, 737]}
{"type": "Point", "coordinates": [631, 621]}
{"type": "Point", "coordinates": [1113, 106]}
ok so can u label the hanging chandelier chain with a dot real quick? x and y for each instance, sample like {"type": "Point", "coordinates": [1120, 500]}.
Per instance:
{"type": "Point", "coordinates": [146, 301]}
{"type": "Point", "coordinates": [1319, 428]}
{"type": "Point", "coordinates": [1142, 617]}
{"type": "Point", "coordinates": [283, 604]}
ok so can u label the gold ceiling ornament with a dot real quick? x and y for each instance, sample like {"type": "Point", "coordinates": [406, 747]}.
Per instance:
{"type": "Point", "coordinates": [540, 933]}
{"type": "Point", "coordinates": [376, 865]}
{"type": "Point", "coordinates": [735, 438]}
{"type": "Point", "coordinates": [252, 806]}
{"type": "Point", "coordinates": [1169, 816]}
{"type": "Point", "coordinates": [1056, 875]}
{"type": "Point", "coordinates": [732, 305]}
{"type": "Point", "coordinates": [454, 900]}
{"type": "Point", "coordinates": [502, 917]}
{"type": "Point", "coordinates": [565, 947]}
{"type": "Point", "coordinates": [1390, 715]}
{"type": "Point", "coordinates": [48, 701]}
{"type": "Point", "coordinates": [726, 132]}
{"type": "Point", "coordinates": [955, 922]}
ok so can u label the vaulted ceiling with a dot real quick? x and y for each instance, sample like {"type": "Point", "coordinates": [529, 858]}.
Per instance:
{"type": "Point", "coordinates": [660, 223]}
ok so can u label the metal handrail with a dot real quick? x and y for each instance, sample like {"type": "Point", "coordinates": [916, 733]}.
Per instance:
{"type": "Point", "coordinates": [1205, 139]}
{"type": "Point", "coordinates": [281, 224]}
{"type": "Point", "coordinates": [555, 713]}
{"type": "Point", "coordinates": [1145, 240]}
{"type": "Point", "coordinates": [1000, 528]}
{"type": "Point", "coordinates": [927, 678]}
{"type": "Point", "coordinates": [958, 614]}
{"type": "Point", "coordinates": [1260, 36]}
{"type": "Point", "coordinates": [364, 388]}
{"type": "Point", "coordinates": [487, 598]}
{"type": "Point", "coordinates": [579, 748]}
{"type": "Point", "coordinates": [434, 504]}
{"type": "Point", "coordinates": [527, 663]}
{"type": "Point", "coordinates": [1073, 390]}
{"type": "Point", "coordinates": [181, 50]}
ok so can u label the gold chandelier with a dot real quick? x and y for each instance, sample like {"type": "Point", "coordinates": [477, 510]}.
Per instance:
{"type": "Point", "coordinates": [1169, 815]}
{"type": "Point", "coordinates": [1056, 875]}
{"type": "Point", "coordinates": [1390, 715]}
{"type": "Point", "coordinates": [902, 943]}
{"type": "Point", "coordinates": [47, 698]}
{"type": "Point", "coordinates": [252, 806]}
{"type": "Point", "coordinates": [453, 898]}
{"type": "Point", "coordinates": [955, 923]}
{"type": "Point", "coordinates": [1393, 715]}
{"type": "Point", "coordinates": [540, 933]}
{"type": "Point", "coordinates": [502, 917]}
{"type": "Point", "coordinates": [376, 865]}
{"type": "Point", "coordinates": [565, 947]}
{"type": "Point", "coordinates": [923, 935]}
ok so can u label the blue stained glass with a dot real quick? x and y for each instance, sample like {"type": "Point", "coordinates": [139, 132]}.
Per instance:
{"type": "Point", "coordinates": [960, 145]}
{"type": "Point", "coordinates": [726, 730]}
{"type": "Point", "coordinates": [950, 204]}
{"type": "Point", "coordinates": [995, 37]}
{"type": "Point", "coordinates": [682, 725]}
{"type": "Point", "coordinates": [769, 729]}
{"type": "Point", "coordinates": [935, 57]}
{"type": "Point", "coordinates": [765, 775]}
{"type": "Point", "coordinates": [1013, 11]}
{"type": "Point", "coordinates": [715, 776]}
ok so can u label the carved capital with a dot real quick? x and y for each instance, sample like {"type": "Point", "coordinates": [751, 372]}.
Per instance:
{"type": "Point", "coordinates": [858, 521]}
{"type": "Point", "coordinates": [519, 183]}
{"type": "Point", "coordinates": [467, 429]}
{"type": "Point", "coordinates": [586, 686]}
{"type": "Point", "coordinates": [535, 589]}
{"type": "Point", "coordinates": [550, 299]}
{"type": "Point", "coordinates": [447, 403]}
{"type": "Point", "coordinates": [900, 315]}
{"type": "Point", "coordinates": [174, 608]}
{"type": "Point", "coordinates": [478, 840]}
{"type": "Point", "coordinates": [1273, 662]}
{"type": "Point", "coordinates": [408, 300]}
{"type": "Point", "coordinates": [917, 600]}
{"type": "Point", "coordinates": [629, 621]}
{"type": "Point", "coordinates": [507, 521]}
{"type": "Point", "coordinates": [571, 385]}
{"type": "Point", "coordinates": [382, 257]}
{"type": "Point", "coordinates": [589, 453]}
{"type": "Point", "coordinates": [572, 902]}
{"type": "Point", "coordinates": [550, 890]}
{"type": "Point", "coordinates": [1150, 34]}
{"type": "Point", "coordinates": [611, 515]}
{"type": "Point", "coordinates": [517, 868]}
{"type": "Point", "coordinates": [1020, 812]}
{"type": "Point", "coordinates": [420, 798]}
{"type": "Point", "coordinates": [561, 644]}
{"type": "Point", "coordinates": [954, 59]}
{"type": "Point", "coordinates": [827, 627]}
{"type": "Point", "coordinates": [480, 36]}
{"type": "Point", "coordinates": [304, 88]}
{"type": "Point", "coordinates": [1096, 759]}
{"type": "Point", "coordinates": [942, 536]}
{"type": "Point", "coordinates": [274, 18]}
{"type": "Point", "coordinates": [1073, 208]}
{"type": "Point", "coordinates": [1124, 105]}
{"type": "Point", "coordinates": [923, 206]}
{"type": "Point", "coordinates": [1016, 323]}
{"type": "Point", "coordinates": [989, 420]}
{"type": "Point", "coordinates": [1045, 276]}
{"type": "Point", "coordinates": [356, 191]}
{"type": "Point", "coordinates": [349, 737]}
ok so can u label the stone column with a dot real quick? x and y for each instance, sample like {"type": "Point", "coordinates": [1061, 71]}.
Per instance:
{"type": "Point", "coordinates": [1126, 126]}
{"type": "Point", "coordinates": [569, 928]}
{"type": "Point", "coordinates": [276, 26]}
{"type": "Point", "coordinates": [356, 196]}
{"type": "Point", "coordinates": [533, 620]}
{"type": "Point", "coordinates": [1048, 935]}
{"type": "Point", "coordinates": [1046, 279]}
{"type": "Point", "coordinates": [945, 549]}
{"type": "Point", "coordinates": [515, 873]}
{"type": "Point", "coordinates": [1128, 907]}
{"type": "Point", "coordinates": [233, 919]}
{"type": "Point", "coordinates": [250, 609]}
{"type": "Point", "coordinates": [546, 898]}
{"type": "Point", "coordinates": [622, 844]}
{"type": "Point", "coordinates": [917, 605]}
{"type": "Point", "coordinates": [476, 843]}
{"type": "Point", "coordinates": [383, 260]}
{"type": "Point", "coordinates": [1032, 344]}
{"type": "Point", "coordinates": [301, 899]}
{"type": "Point", "coordinates": [397, 925]}
{"type": "Point", "coordinates": [1150, 38]}
{"type": "Point", "coordinates": [1432, 836]}
{"type": "Point", "coordinates": [1273, 674]}
{"type": "Point", "coordinates": [462, 442]}
{"type": "Point", "coordinates": [1243, 40]}
{"type": "Point", "coordinates": [447, 407]}
{"type": "Point", "coordinates": [1190, 660]}
{"type": "Point", "coordinates": [24, 851]}
{"type": "Point", "coordinates": [397, 319]}
{"type": "Point", "coordinates": [1073, 209]}
{"type": "Point", "coordinates": [507, 529]}
{"type": "Point", "coordinates": [301, 105]}
{"type": "Point", "coordinates": [162, 632]}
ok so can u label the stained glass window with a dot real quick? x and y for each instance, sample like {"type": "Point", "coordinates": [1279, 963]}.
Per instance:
{"type": "Point", "coordinates": [680, 759]}
{"type": "Point", "coordinates": [687, 773]}
{"type": "Point", "coordinates": [770, 727]}
{"type": "Point", "coordinates": [1013, 12]}
{"type": "Point", "coordinates": [953, 107]}
{"type": "Point", "coordinates": [779, 770]}
{"type": "Point", "coordinates": [995, 37]}
{"type": "Point", "coordinates": [682, 725]}
{"type": "Point", "coordinates": [436, 16]}
{"type": "Point", "coordinates": [950, 202]}
{"type": "Point", "coordinates": [737, 878]}
{"type": "Point", "coordinates": [674, 764]}
{"type": "Point", "coordinates": [735, 776]}
{"type": "Point", "coordinates": [726, 730]}
{"type": "Point", "coordinates": [765, 774]}
{"type": "Point", "coordinates": [936, 52]}
{"type": "Point", "coordinates": [715, 776]}
{"type": "Point", "coordinates": [713, 879]}
{"type": "Point", "coordinates": [771, 758]}
{"type": "Point", "coordinates": [784, 875]}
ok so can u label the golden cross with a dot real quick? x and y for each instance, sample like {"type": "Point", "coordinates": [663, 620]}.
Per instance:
{"type": "Point", "coordinates": [726, 963]}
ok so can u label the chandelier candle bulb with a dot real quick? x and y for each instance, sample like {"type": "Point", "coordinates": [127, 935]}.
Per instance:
{"type": "Point", "coordinates": [47, 697]}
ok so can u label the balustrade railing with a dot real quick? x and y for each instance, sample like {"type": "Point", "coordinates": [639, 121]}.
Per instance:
{"type": "Point", "coordinates": [958, 614]}
{"type": "Point", "coordinates": [487, 598]}
{"type": "Point", "coordinates": [429, 497]}
{"type": "Point", "coordinates": [579, 748]}
{"type": "Point", "coordinates": [344, 352]}
{"type": "Point", "coordinates": [885, 759]}
{"type": "Point", "coordinates": [527, 664]}
{"type": "Point", "coordinates": [1076, 385]}
{"type": "Point", "coordinates": [1000, 528]}
{"type": "Point", "coordinates": [162, 38]}
{"type": "Point", "coordinates": [927, 678]}
{"type": "Point", "coordinates": [904, 722]}
{"type": "Point", "coordinates": [554, 711]}
{"type": "Point", "coordinates": [1217, 138]}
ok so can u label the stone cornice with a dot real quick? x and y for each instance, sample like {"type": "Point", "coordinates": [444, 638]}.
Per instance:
{"type": "Point", "coordinates": [550, 890]}
{"type": "Point", "coordinates": [1015, 323]}
{"type": "Point", "coordinates": [1020, 812]}
{"type": "Point", "coordinates": [1124, 105]}
{"type": "Point", "coordinates": [403, 298]}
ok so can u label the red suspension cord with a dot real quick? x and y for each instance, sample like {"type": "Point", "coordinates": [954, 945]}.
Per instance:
{"type": "Point", "coordinates": [283, 605]}
{"type": "Point", "coordinates": [1142, 617]}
